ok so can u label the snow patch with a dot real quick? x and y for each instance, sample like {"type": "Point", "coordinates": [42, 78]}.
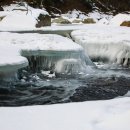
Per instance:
{"type": "Point", "coordinates": [119, 19]}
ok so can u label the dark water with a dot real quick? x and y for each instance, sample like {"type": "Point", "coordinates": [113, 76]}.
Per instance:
{"type": "Point", "coordinates": [38, 89]}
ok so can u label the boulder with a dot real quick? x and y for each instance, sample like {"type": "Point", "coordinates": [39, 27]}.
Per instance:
{"type": "Point", "coordinates": [61, 20]}
{"type": "Point", "coordinates": [125, 23]}
{"type": "Point", "coordinates": [1, 9]}
{"type": "Point", "coordinates": [76, 21]}
{"type": "Point", "coordinates": [43, 20]}
{"type": "Point", "coordinates": [89, 21]}
{"type": "Point", "coordinates": [1, 18]}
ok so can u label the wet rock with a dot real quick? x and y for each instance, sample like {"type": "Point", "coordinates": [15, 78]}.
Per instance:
{"type": "Point", "coordinates": [89, 21]}
{"type": "Point", "coordinates": [43, 20]}
{"type": "Point", "coordinates": [1, 18]}
{"type": "Point", "coordinates": [61, 20]}
{"type": "Point", "coordinates": [125, 23]}
{"type": "Point", "coordinates": [1, 9]}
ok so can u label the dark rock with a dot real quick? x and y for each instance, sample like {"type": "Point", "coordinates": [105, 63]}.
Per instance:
{"type": "Point", "coordinates": [89, 21]}
{"type": "Point", "coordinates": [43, 20]}
{"type": "Point", "coordinates": [125, 23]}
{"type": "Point", "coordinates": [1, 9]}
{"type": "Point", "coordinates": [77, 21]}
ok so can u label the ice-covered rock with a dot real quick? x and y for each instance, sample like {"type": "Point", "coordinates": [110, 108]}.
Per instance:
{"type": "Point", "coordinates": [10, 62]}
{"type": "Point", "coordinates": [103, 42]}
{"type": "Point", "coordinates": [44, 51]}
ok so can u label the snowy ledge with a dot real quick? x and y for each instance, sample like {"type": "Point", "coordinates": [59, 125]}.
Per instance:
{"type": "Point", "coordinates": [46, 50]}
{"type": "Point", "coordinates": [112, 43]}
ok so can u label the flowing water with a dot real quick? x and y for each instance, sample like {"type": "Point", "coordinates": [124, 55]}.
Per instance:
{"type": "Point", "coordinates": [47, 87]}
{"type": "Point", "coordinates": [61, 77]}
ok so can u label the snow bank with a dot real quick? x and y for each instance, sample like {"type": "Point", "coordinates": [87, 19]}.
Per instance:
{"type": "Point", "coordinates": [112, 43]}
{"type": "Point", "coordinates": [119, 19]}
{"type": "Point", "coordinates": [94, 115]}
{"type": "Point", "coordinates": [43, 42]}
{"type": "Point", "coordinates": [22, 17]}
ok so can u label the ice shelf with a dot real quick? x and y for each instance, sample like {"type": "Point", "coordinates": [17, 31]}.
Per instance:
{"type": "Point", "coordinates": [111, 44]}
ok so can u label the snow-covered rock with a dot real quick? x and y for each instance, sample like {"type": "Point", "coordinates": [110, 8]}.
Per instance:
{"type": "Point", "coordinates": [10, 62]}
{"type": "Point", "coordinates": [105, 42]}
{"type": "Point", "coordinates": [45, 50]}
{"type": "Point", "coordinates": [23, 17]}
{"type": "Point", "coordinates": [61, 20]}
{"type": "Point", "coordinates": [103, 21]}
{"type": "Point", "coordinates": [92, 115]}
{"type": "Point", "coordinates": [119, 19]}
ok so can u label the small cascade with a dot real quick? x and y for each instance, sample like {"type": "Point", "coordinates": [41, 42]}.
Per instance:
{"type": "Point", "coordinates": [58, 61]}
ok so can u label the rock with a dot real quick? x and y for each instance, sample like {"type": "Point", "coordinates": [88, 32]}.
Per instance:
{"type": "Point", "coordinates": [61, 20]}
{"type": "Point", "coordinates": [76, 21]}
{"type": "Point", "coordinates": [1, 18]}
{"type": "Point", "coordinates": [89, 21]}
{"type": "Point", "coordinates": [125, 23]}
{"type": "Point", "coordinates": [43, 20]}
{"type": "Point", "coordinates": [1, 9]}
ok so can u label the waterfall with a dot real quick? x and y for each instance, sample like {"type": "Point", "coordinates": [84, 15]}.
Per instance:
{"type": "Point", "coordinates": [57, 61]}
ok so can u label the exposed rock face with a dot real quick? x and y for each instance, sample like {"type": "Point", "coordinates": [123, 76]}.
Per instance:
{"type": "Point", "coordinates": [89, 21]}
{"type": "Point", "coordinates": [126, 23]}
{"type": "Point", "coordinates": [43, 20]}
{"type": "Point", "coordinates": [61, 20]}
{"type": "Point", "coordinates": [1, 9]}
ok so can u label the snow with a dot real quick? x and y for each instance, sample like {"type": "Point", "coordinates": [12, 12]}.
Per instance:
{"type": "Point", "coordinates": [108, 42]}
{"type": "Point", "coordinates": [103, 21]}
{"type": "Point", "coordinates": [10, 58]}
{"type": "Point", "coordinates": [76, 14]}
{"type": "Point", "coordinates": [119, 19]}
{"type": "Point", "coordinates": [22, 17]}
{"type": "Point", "coordinates": [93, 115]}
{"type": "Point", "coordinates": [35, 41]}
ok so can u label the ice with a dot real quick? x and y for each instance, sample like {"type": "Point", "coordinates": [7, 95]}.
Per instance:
{"type": "Point", "coordinates": [91, 115]}
{"type": "Point", "coordinates": [45, 51]}
{"type": "Point", "coordinates": [10, 62]}
{"type": "Point", "coordinates": [105, 43]}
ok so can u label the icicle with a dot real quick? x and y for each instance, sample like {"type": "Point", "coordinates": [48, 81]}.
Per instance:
{"type": "Point", "coordinates": [59, 61]}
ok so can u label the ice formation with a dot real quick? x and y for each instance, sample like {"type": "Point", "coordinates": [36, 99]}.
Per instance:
{"type": "Point", "coordinates": [10, 62]}
{"type": "Point", "coordinates": [46, 51]}
{"type": "Point", "coordinates": [103, 42]}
